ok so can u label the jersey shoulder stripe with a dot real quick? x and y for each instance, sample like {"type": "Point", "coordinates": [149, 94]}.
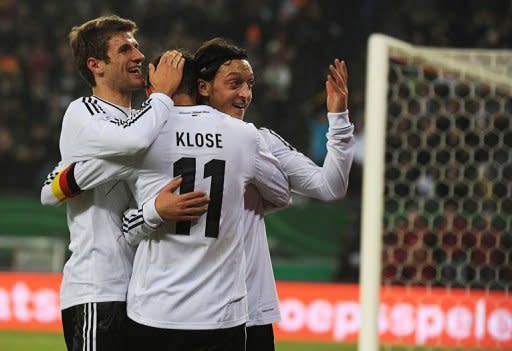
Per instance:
{"type": "Point", "coordinates": [92, 105]}
{"type": "Point", "coordinates": [98, 100]}
{"type": "Point", "coordinates": [280, 138]}
{"type": "Point", "coordinates": [135, 117]}
{"type": "Point", "coordinates": [138, 114]}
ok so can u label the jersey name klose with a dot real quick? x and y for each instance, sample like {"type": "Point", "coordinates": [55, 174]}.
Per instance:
{"type": "Point", "coordinates": [209, 140]}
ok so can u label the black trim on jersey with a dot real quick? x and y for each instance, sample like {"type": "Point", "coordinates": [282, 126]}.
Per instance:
{"type": "Point", "coordinates": [96, 106]}
{"type": "Point", "coordinates": [287, 144]}
{"type": "Point", "coordinates": [91, 103]}
{"type": "Point", "coordinates": [111, 104]}
{"type": "Point", "coordinates": [70, 178]}
{"type": "Point", "coordinates": [138, 115]}
{"type": "Point", "coordinates": [145, 103]}
{"type": "Point", "coordinates": [137, 214]}
{"type": "Point", "coordinates": [127, 228]}
{"type": "Point", "coordinates": [50, 177]}
{"type": "Point", "coordinates": [130, 121]}
{"type": "Point", "coordinates": [87, 105]}
{"type": "Point", "coordinates": [133, 221]}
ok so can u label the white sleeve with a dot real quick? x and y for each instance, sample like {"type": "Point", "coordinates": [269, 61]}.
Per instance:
{"type": "Point", "coordinates": [329, 182]}
{"type": "Point", "coordinates": [270, 180]}
{"type": "Point", "coordinates": [65, 182]}
{"type": "Point", "coordinates": [48, 198]}
{"type": "Point", "coordinates": [89, 174]}
{"type": "Point", "coordinates": [108, 136]}
{"type": "Point", "coordinates": [140, 223]}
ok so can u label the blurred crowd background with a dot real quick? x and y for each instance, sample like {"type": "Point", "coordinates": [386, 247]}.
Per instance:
{"type": "Point", "coordinates": [290, 45]}
{"type": "Point", "coordinates": [290, 42]}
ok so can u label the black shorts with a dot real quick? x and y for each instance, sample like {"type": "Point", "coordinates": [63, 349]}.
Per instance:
{"type": "Point", "coordinates": [143, 337]}
{"type": "Point", "coordinates": [100, 326]}
{"type": "Point", "coordinates": [260, 338]}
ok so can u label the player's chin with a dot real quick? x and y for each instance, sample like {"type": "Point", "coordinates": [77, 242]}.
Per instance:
{"type": "Point", "coordinates": [237, 113]}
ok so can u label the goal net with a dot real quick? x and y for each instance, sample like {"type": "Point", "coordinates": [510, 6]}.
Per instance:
{"type": "Point", "coordinates": [437, 198]}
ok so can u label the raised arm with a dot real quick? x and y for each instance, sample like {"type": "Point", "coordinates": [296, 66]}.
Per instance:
{"type": "Point", "coordinates": [329, 182]}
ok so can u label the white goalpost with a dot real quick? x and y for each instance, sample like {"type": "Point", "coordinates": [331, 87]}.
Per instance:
{"type": "Point", "coordinates": [436, 237]}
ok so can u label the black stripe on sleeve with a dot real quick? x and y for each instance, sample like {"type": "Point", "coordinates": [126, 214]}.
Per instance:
{"type": "Point", "coordinates": [287, 144]}
{"type": "Point", "coordinates": [70, 178]}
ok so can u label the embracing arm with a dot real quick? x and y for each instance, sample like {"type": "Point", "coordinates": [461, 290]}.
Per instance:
{"type": "Point", "coordinates": [65, 182]}
{"type": "Point", "coordinates": [100, 135]}
{"type": "Point", "coordinates": [166, 206]}
{"type": "Point", "coordinates": [104, 136]}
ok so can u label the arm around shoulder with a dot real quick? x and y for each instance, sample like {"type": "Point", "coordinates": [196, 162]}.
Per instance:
{"type": "Point", "coordinates": [59, 186]}
{"type": "Point", "coordinates": [100, 135]}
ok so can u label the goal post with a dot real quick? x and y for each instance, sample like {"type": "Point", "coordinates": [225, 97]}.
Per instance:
{"type": "Point", "coordinates": [372, 207]}
{"type": "Point", "coordinates": [437, 196]}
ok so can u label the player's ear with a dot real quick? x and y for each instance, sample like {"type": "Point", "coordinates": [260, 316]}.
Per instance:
{"type": "Point", "coordinates": [203, 87]}
{"type": "Point", "coordinates": [95, 65]}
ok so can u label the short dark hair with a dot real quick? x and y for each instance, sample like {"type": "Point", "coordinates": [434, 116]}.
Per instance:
{"type": "Point", "coordinates": [214, 53]}
{"type": "Point", "coordinates": [91, 40]}
{"type": "Point", "coordinates": [188, 84]}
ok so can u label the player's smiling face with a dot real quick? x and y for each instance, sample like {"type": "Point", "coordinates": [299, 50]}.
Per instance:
{"type": "Point", "coordinates": [124, 70]}
{"type": "Point", "coordinates": [231, 89]}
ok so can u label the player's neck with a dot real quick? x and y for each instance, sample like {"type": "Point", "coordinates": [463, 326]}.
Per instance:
{"type": "Point", "coordinates": [183, 100]}
{"type": "Point", "coordinates": [115, 97]}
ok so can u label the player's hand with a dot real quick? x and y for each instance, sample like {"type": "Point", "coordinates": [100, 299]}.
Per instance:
{"type": "Point", "coordinates": [166, 77]}
{"type": "Point", "coordinates": [336, 87]}
{"type": "Point", "coordinates": [185, 207]}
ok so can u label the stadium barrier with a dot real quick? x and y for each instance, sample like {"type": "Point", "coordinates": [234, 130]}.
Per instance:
{"type": "Point", "coordinates": [315, 312]}
{"type": "Point", "coordinates": [30, 301]}
{"type": "Point", "coordinates": [407, 315]}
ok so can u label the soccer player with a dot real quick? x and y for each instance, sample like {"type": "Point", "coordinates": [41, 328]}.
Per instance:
{"type": "Point", "coordinates": [225, 82]}
{"type": "Point", "coordinates": [96, 276]}
{"type": "Point", "coordinates": [187, 290]}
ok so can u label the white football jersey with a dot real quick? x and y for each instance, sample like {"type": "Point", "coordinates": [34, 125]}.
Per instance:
{"type": "Point", "coordinates": [99, 267]}
{"type": "Point", "coordinates": [191, 275]}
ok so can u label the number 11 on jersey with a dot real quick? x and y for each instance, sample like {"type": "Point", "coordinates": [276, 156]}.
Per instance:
{"type": "Point", "coordinates": [186, 168]}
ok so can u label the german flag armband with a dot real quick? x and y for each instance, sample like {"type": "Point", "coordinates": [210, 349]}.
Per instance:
{"type": "Point", "coordinates": [64, 185]}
